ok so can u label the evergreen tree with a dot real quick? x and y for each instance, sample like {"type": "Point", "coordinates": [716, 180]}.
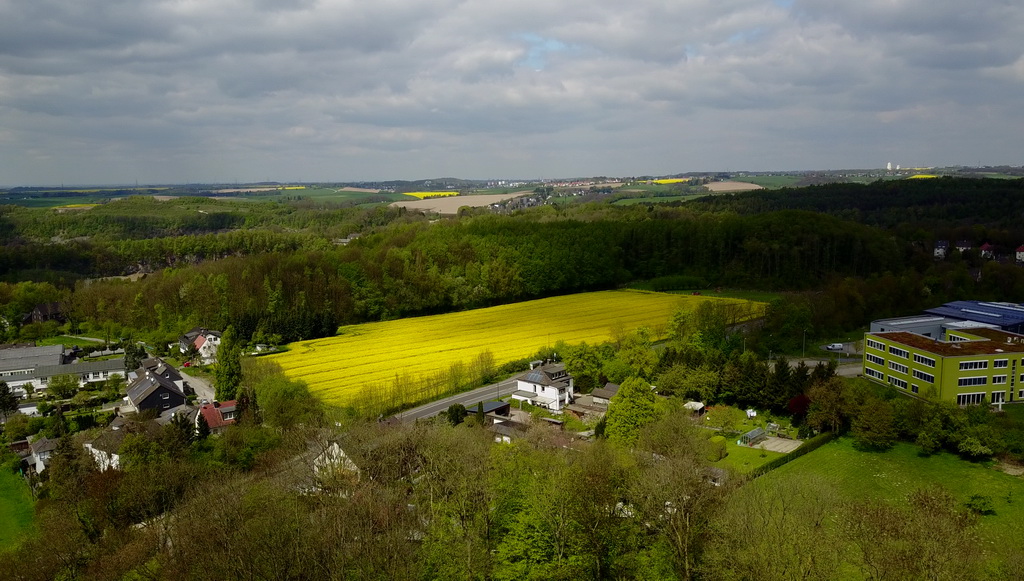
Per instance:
{"type": "Point", "coordinates": [229, 366]}
{"type": "Point", "coordinates": [8, 401]}
{"type": "Point", "coordinates": [202, 428]}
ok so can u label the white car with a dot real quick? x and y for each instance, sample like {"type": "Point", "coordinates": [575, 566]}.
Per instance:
{"type": "Point", "coordinates": [834, 346]}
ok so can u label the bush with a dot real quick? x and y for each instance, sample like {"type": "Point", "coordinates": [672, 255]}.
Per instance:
{"type": "Point", "coordinates": [717, 448]}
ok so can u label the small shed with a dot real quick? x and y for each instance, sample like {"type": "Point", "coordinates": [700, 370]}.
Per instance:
{"type": "Point", "coordinates": [753, 436]}
{"type": "Point", "coordinates": [696, 407]}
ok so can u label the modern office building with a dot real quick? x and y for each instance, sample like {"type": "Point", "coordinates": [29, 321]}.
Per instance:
{"type": "Point", "coordinates": [965, 366]}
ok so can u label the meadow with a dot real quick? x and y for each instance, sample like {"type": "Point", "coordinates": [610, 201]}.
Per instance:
{"type": "Point", "coordinates": [891, 475]}
{"type": "Point", "coordinates": [388, 364]}
{"type": "Point", "coordinates": [15, 509]}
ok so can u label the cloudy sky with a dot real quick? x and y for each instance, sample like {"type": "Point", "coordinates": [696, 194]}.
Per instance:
{"type": "Point", "coordinates": [114, 91]}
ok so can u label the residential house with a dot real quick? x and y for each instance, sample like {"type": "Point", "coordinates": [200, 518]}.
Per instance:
{"type": "Point", "coordinates": [604, 395]}
{"type": "Point", "coordinates": [41, 451]}
{"type": "Point", "coordinates": [1020, 253]}
{"type": "Point", "coordinates": [152, 391]}
{"type": "Point", "coordinates": [545, 385]}
{"type": "Point", "coordinates": [158, 366]}
{"type": "Point", "coordinates": [965, 366]}
{"type": "Point", "coordinates": [941, 248]}
{"type": "Point", "coordinates": [105, 449]}
{"type": "Point", "coordinates": [218, 415]}
{"type": "Point", "coordinates": [45, 312]}
{"type": "Point", "coordinates": [204, 340]}
{"type": "Point", "coordinates": [987, 250]}
{"type": "Point", "coordinates": [964, 245]}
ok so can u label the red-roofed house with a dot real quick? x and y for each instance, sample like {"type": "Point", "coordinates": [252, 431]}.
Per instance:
{"type": "Point", "coordinates": [1020, 253]}
{"type": "Point", "coordinates": [987, 250]}
{"type": "Point", "coordinates": [218, 415]}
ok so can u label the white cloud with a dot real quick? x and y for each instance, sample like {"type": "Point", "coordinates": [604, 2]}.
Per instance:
{"type": "Point", "coordinates": [165, 90]}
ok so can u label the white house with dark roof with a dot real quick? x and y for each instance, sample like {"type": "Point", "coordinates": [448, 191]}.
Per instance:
{"type": "Point", "coordinates": [548, 386]}
{"type": "Point", "coordinates": [40, 367]}
{"type": "Point", "coordinates": [41, 450]}
{"type": "Point", "coordinates": [204, 340]}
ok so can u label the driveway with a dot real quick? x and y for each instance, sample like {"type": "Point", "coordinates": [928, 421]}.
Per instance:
{"type": "Point", "coordinates": [202, 387]}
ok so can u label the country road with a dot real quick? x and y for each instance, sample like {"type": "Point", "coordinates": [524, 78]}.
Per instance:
{"type": "Point", "coordinates": [468, 399]}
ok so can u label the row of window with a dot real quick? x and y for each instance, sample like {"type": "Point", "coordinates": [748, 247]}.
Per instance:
{"type": "Point", "coordinates": [918, 358]}
{"type": "Point", "coordinates": [898, 352]}
{"type": "Point", "coordinates": [969, 365]}
{"type": "Point", "coordinates": [977, 398]}
{"type": "Point", "coordinates": [876, 344]}
{"type": "Point", "coordinates": [969, 381]}
{"type": "Point", "coordinates": [898, 382]}
{"type": "Point", "coordinates": [874, 359]}
{"type": "Point", "coordinates": [928, 377]}
{"type": "Point", "coordinates": [898, 367]}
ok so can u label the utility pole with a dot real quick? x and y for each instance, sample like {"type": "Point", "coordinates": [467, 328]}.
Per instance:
{"type": "Point", "coordinates": [803, 350]}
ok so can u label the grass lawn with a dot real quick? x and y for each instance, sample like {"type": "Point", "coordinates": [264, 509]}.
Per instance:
{"type": "Point", "coordinates": [66, 341]}
{"type": "Point", "coordinates": [15, 510]}
{"type": "Point", "coordinates": [892, 475]}
{"type": "Point", "coordinates": [744, 459]}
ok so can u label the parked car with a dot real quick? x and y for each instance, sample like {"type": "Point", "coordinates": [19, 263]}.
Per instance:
{"type": "Point", "coordinates": [834, 346]}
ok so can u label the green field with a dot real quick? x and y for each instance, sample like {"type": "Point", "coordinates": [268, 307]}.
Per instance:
{"type": "Point", "coordinates": [335, 195]}
{"type": "Point", "coordinates": [66, 341]}
{"type": "Point", "coordinates": [890, 476]}
{"type": "Point", "coordinates": [746, 295]}
{"type": "Point", "coordinates": [15, 509]}
{"type": "Point", "coordinates": [770, 182]}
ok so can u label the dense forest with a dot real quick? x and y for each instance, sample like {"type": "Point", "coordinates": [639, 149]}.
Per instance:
{"type": "Point", "coordinates": [276, 270]}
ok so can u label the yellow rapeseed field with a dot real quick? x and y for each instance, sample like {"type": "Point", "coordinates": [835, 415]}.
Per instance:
{"type": "Point", "coordinates": [407, 359]}
{"type": "Point", "coordinates": [670, 181]}
{"type": "Point", "coordinates": [422, 195]}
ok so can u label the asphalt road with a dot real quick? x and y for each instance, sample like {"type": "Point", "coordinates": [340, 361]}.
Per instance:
{"type": "Point", "coordinates": [468, 399]}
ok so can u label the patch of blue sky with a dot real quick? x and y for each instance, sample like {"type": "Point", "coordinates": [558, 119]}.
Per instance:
{"type": "Point", "coordinates": [538, 50]}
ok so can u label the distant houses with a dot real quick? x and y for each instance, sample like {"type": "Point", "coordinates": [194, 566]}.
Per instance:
{"type": "Point", "coordinates": [22, 366]}
{"type": "Point", "coordinates": [205, 342]}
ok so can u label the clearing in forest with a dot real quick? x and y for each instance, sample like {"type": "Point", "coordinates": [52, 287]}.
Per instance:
{"type": "Point", "coordinates": [384, 365]}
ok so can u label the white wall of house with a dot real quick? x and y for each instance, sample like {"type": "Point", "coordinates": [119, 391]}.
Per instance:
{"type": "Point", "coordinates": [104, 460]}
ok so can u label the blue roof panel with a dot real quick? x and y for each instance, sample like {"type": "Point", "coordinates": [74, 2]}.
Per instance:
{"type": "Point", "coordinates": [1005, 315]}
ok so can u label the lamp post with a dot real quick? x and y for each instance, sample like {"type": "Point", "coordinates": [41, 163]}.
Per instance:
{"type": "Point", "coordinates": [803, 349]}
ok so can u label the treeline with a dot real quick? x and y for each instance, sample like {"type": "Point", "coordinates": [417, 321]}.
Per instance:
{"type": "Point", "coordinates": [927, 203]}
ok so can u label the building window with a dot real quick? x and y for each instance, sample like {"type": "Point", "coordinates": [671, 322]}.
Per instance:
{"type": "Point", "coordinates": [874, 359]}
{"type": "Point", "coordinates": [1000, 363]}
{"type": "Point", "coordinates": [968, 365]}
{"type": "Point", "coordinates": [998, 379]}
{"type": "Point", "coordinates": [898, 382]}
{"type": "Point", "coordinates": [970, 398]}
{"type": "Point", "coordinates": [914, 388]}
{"type": "Point", "coordinates": [953, 338]}
{"type": "Point", "coordinates": [969, 381]}
{"type": "Point", "coordinates": [924, 360]}
{"type": "Point", "coordinates": [924, 376]}
{"type": "Point", "coordinates": [899, 352]}
{"type": "Point", "coordinates": [876, 344]}
{"type": "Point", "coordinates": [998, 397]}
{"type": "Point", "coordinates": [873, 373]}
{"type": "Point", "coordinates": [898, 367]}
{"type": "Point", "coordinates": [165, 395]}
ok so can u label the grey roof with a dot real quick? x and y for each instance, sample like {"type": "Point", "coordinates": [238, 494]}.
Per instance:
{"type": "Point", "coordinates": [552, 374]}
{"type": "Point", "coordinates": [607, 392]}
{"type": "Point", "coordinates": [109, 441]}
{"type": "Point", "coordinates": [189, 412]}
{"type": "Point", "coordinates": [146, 384]}
{"type": "Point", "coordinates": [30, 357]}
{"type": "Point", "coordinates": [43, 444]}
{"type": "Point", "coordinates": [109, 365]}
{"type": "Point", "coordinates": [161, 367]}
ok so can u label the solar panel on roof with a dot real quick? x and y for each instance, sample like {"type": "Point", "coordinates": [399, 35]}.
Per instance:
{"type": "Point", "coordinates": [535, 377]}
